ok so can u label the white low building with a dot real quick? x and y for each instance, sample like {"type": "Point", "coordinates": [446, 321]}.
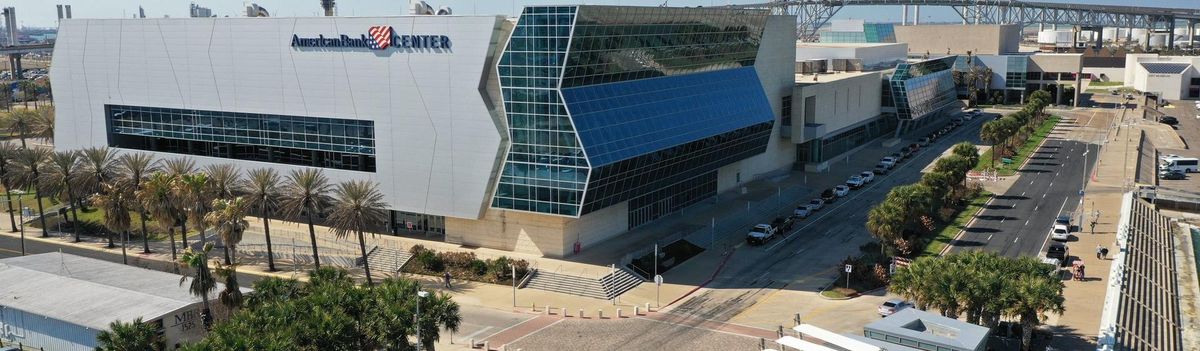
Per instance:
{"type": "Point", "coordinates": [1171, 77]}
{"type": "Point", "coordinates": [60, 302]}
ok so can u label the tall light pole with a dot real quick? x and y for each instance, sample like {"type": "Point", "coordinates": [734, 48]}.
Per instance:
{"type": "Point", "coordinates": [22, 223]}
{"type": "Point", "coordinates": [420, 297]}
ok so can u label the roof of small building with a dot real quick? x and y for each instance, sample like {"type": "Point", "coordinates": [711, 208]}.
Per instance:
{"type": "Point", "coordinates": [89, 292]}
{"type": "Point", "coordinates": [1165, 67]}
{"type": "Point", "coordinates": [920, 325]}
{"type": "Point", "coordinates": [807, 79]}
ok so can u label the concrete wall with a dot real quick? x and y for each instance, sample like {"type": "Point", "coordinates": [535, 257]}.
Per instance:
{"type": "Point", "coordinates": [839, 103]}
{"type": "Point", "coordinates": [1113, 73]}
{"type": "Point", "coordinates": [1055, 63]}
{"type": "Point", "coordinates": [870, 54]}
{"type": "Point", "coordinates": [979, 39]}
{"type": "Point", "coordinates": [438, 140]}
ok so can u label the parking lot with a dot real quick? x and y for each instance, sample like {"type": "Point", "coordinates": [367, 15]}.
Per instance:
{"type": "Point", "coordinates": [1188, 129]}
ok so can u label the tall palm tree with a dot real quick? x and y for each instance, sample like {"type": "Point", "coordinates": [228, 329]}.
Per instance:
{"type": "Point", "coordinates": [29, 92]}
{"type": "Point", "coordinates": [262, 188]}
{"type": "Point", "coordinates": [1035, 298]}
{"type": "Point", "coordinates": [44, 123]}
{"type": "Point", "coordinates": [131, 336]}
{"type": "Point", "coordinates": [357, 206]}
{"type": "Point", "coordinates": [157, 199]}
{"type": "Point", "coordinates": [223, 180]}
{"type": "Point", "coordinates": [968, 150]}
{"type": "Point", "coordinates": [231, 295]}
{"type": "Point", "coordinates": [116, 202]}
{"type": "Point", "coordinates": [228, 218]}
{"type": "Point", "coordinates": [61, 176]}
{"type": "Point", "coordinates": [992, 133]}
{"type": "Point", "coordinates": [22, 122]}
{"type": "Point", "coordinates": [8, 154]}
{"type": "Point", "coordinates": [99, 166]}
{"type": "Point", "coordinates": [306, 194]}
{"type": "Point", "coordinates": [177, 167]}
{"type": "Point", "coordinates": [193, 192]}
{"type": "Point", "coordinates": [30, 166]}
{"type": "Point", "coordinates": [133, 169]}
{"type": "Point", "coordinates": [203, 283]}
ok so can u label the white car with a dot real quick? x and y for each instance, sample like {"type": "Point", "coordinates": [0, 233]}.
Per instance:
{"type": "Point", "coordinates": [855, 181]}
{"type": "Point", "coordinates": [801, 212]}
{"type": "Point", "coordinates": [841, 190]}
{"type": "Point", "coordinates": [888, 162]}
{"type": "Point", "coordinates": [1060, 233]}
{"type": "Point", "coordinates": [867, 176]}
{"type": "Point", "coordinates": [892, 306]}
{"type": "Point", "coordinates": [815, 205]}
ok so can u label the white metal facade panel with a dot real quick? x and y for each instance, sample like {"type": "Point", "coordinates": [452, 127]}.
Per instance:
{"type": "Point", "coordinates": [437, 144]}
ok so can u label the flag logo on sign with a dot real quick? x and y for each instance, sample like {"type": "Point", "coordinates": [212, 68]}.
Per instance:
{"type": "Point", "coordinates": [381, 37]}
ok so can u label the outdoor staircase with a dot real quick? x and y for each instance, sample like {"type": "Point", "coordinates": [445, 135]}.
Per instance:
{"type": "Point", "coordinates": [385, 260]}
{"type": "Point", "coordinates": [605, 288]}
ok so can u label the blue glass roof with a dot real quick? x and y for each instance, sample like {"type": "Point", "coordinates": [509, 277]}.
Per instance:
{"type": "Point", "coordinates": [617, 121]}
{"type": "Point", "coordinates": [1165, 67]}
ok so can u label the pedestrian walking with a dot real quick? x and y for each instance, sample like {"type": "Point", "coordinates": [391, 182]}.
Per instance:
{"type": "Point", "coordinates": [446, 277]}
{"type": "Point", "coordinates": [1104, 253]}
{"type": "Point", "coordinates": [1099, 251]}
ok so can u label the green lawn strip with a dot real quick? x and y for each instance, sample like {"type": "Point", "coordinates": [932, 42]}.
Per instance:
{"type": "Point", "coordinates": [1106, 84]}
{"type": "Point", "coordinates": [96, 216]}
{"type": "Point", "coordinates": [1039, 134]}
{"type": "Point", "coordinates": [946, 234]}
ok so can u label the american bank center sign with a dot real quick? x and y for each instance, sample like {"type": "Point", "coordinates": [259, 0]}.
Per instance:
{"type": "Point", "coordinates": [377, 38]}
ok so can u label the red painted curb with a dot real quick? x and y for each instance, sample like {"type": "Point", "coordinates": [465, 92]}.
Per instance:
{"type": "Point", "coordinates": [710, 278]}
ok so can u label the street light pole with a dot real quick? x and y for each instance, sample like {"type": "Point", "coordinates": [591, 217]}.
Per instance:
{"type": "Point", "coordinates": [420, 297]}
{"type": "Point", "coordinates": [22, 224]}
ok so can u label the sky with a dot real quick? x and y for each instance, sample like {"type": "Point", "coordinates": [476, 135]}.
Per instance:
{"type": "Point", "coordinates": [42, 13]}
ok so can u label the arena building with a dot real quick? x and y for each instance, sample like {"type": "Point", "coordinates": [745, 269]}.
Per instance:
{"type": "Point", "coordinates": [544, 134]}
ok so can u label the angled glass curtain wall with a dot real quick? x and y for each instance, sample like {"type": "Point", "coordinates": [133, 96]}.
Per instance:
{"type": "Point", "coordinates": [545, 170]}
{"type": "Point", "coordinates": [922, 88]}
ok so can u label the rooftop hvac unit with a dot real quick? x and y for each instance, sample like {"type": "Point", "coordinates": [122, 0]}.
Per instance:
{"type": "Point", "coordinates": [846, 65]}
{"type": "Point", "coordinates": [812, 66]}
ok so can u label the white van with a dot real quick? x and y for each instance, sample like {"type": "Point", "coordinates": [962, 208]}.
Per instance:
{"type": "Point", "coordinates": [1182, 164]}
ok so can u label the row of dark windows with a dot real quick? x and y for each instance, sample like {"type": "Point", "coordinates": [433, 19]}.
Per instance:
{"type": "Point", "coordinates": [281, 155]}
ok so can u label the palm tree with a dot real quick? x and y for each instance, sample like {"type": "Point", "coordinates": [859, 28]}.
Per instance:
{"type": "Point", "coordinates": [30, 165]}
{"type": "Point", "coordinates": [992, 133]}
{"type": "Point", "coordinates": [157, 200]}
{"type": "Point", "coordinates": [192, 190]}
{"type": "Point", "coordinates": [1036, 296]}
{"type": "Point", "coordinates": [29, 92]}
{"type": "Point", "coordinates": [8, 154]}
{"type": "Point", "coordinates": [228, 218]}
{"type": "Point", "coordinates": [223, 180]}
{"type": "Point", "coordinates": [203, 283]}
{"type": "Point", "coordinates": [177, 167]}
{"type": "Point", "coordinates": [62, 172]}
{"type": "Point", "coordinates": [305, 194]}
{"type": "Point", "coordinates": [134, 168]}
{"type": "Point", "coordinates": [967, 150]}
{"type": "Point", "coordinates": [99, 166]}
{"type": "Point", "coordinates": [231, 295]}
{"type": "Point", "coordinates": [116, 202]}
{"type": "Point", "coordinates": [885, 222]}
{"type": "Point", "coordinates": [262, 187]}
{"type": "Point", "coordinates": [131, 336]}
{"type": "Point", "coordinates": [357, 206]}
{"type": "Point", "coordinates": [22, 122]}
{"type": "Point", "coordinates": [44, 124]}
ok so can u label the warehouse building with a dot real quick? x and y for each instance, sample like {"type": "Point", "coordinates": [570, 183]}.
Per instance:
{"type": "Point", "coordinates": [57, 301]}
{"type": "Point", "coordinates": [545, 134]}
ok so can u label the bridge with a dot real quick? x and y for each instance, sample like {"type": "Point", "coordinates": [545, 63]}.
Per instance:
{"type": "Point", "coordinates": [25, 49]}
{"type": "Point", "coordinates": [812, 14]}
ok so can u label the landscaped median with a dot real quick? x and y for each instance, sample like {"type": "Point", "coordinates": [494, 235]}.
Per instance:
{"type": "Point", "coordinates": [946, 234]}
{"type": "Point", "coordinates": [1015, 161]}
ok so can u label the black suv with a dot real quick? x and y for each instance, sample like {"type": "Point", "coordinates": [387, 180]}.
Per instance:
{"type": "Point", "coordinates": [1058, 250]}
{"type": "Point", "coordinates": [828, 195]}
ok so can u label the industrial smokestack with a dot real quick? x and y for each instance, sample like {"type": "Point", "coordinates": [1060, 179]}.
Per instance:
{"type": "Point", "coordinates": [328, 6]}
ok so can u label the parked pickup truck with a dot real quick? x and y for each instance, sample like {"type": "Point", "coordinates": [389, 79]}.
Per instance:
{"type": "Point", "coordinates": [761, 234]}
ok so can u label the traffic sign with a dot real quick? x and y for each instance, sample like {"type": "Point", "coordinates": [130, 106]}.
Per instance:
{"type": "Point", "coordinates": [849, 268]}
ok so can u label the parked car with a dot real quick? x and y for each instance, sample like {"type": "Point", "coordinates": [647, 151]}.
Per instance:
{"type": "Point", "coordinates": [889, 162]}
{"type": "Point", "coordinates": [828, 196]}
{"type": "Point", "coordinates": [855, 181]}
{"type": "Point", "coordinates": [867, 176]}
{"type": "Point", "coordinates": [1060, 233]}
{"type": "Point", "coordinates": [880, 169]}
{"type": "Point", "coordinates": [841, 190]}
{"type": "Point", "coordinates": [1173, 175]}
{"type": "Point", "coordinates": [1168, 120]}
{"type": "Point", "coordinates": [783, 223]}
{"type": "Point", "coordinates": [898, 156]}
{"type": "Point", "coordinates": [1059, 251]}
{"type": "Point", "coordinates": [801, 212]}
{"type": "Point", "coordinates": [914, 147]}
{"type": "Point", "coordinates": [1063, 220]}
{"type": "Point", "coordinates": [892, 306]}
{"type": "Point", "coordinates": [905, 152]}
{"type": "Point", "coordinates": [760, 234]}
{"type": "Point", "coordinates": [815, 205]}
{"type": "Point", "coordinates": [924, 141]}
{"type": "Point", "coordinates": [957, 121]}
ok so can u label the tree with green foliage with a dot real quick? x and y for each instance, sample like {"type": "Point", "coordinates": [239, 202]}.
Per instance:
{"type": "Point", "coordinates": [305, 195]}
{"type": "Point", "coordinates": [202, 283]}
{"type": "Point", "coordinates": [8, 155]}
{"type": "Point", "coordinates": [27, 174]}
{"type": "Point", "coordinates": [331, 312]}
{"type": "Point", "coordinates": [62, 176]}
{"type": "Point", "coordinates": [44, 123]}
{"type": "Point", "coordinates": [358, 206]}
{"type": "Point", "coordinates": [262, 189]}
{"type": "Point", "coordinates": [129, 336]}
{"type": "Point", "coordinates": [23, 123]}
{"type": "Point", "coordinates": [116, 202]}
{"type": "Point", "coordinates": [228, 219]}
{"type": "Point", "coordinates": [158, 200]}
{"type": "Point", "coordinates": [132, 170]}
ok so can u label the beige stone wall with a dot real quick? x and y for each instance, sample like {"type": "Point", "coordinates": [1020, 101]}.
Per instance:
{"type": "Point", "coordinates": [511, 231]}
{"type": "Point", "coordinates": [980, 39]}
{"type": "Point", "coordinates": [840, 103]}
{"type": "Point", "coordinates": [1055, 63]}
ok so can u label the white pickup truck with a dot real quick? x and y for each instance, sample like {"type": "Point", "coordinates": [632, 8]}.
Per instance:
{"type": "Point", "coordinates": [760, 234]}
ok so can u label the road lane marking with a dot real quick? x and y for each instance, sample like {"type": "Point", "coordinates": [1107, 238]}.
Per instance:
{"type": "Point", "coordinates": [1022, 193]}
{"type": "Point", "coordinates": [989, 237]}
{"type": "Point", "coordinates": [13, 251]}
{"type": "Point", "coordinates": [1017, 238]}
{"type": "Point", "coordinates": [1026, 222]}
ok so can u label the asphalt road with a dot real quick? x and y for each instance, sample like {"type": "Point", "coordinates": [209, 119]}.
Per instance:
{"type": "Point", "coordinates": [1018, 222]}
{"type": "Point", "coordinates": [806, 259]}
